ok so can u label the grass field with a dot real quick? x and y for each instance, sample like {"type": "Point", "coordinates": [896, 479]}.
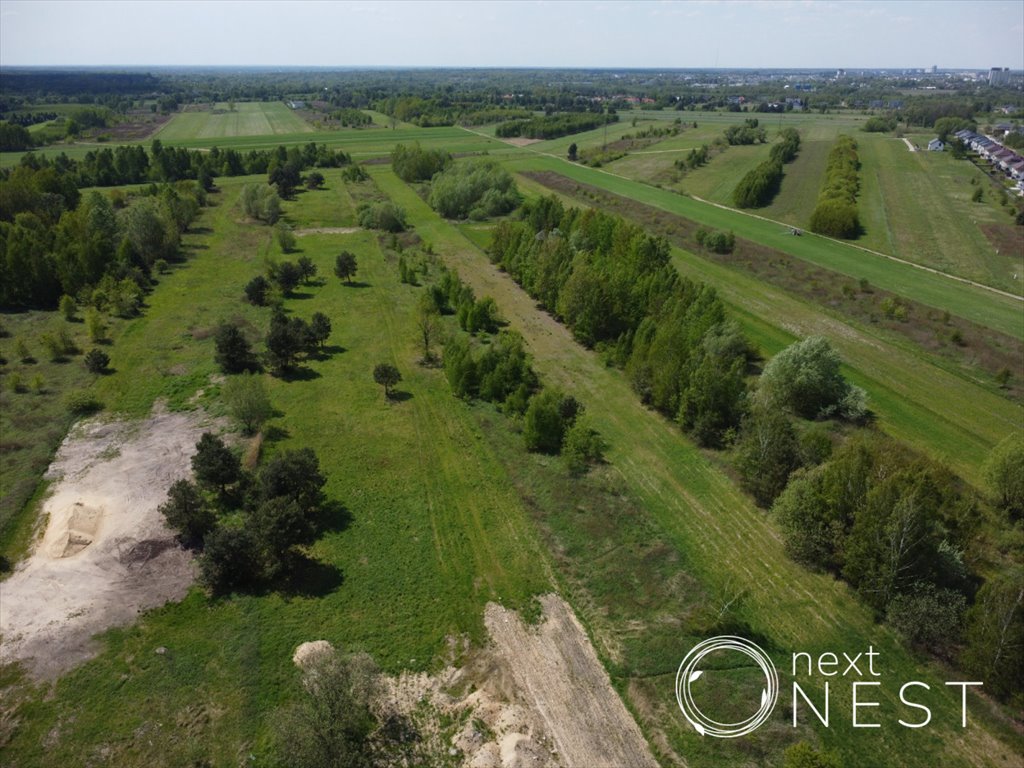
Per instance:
{"type": "Point", "coordinates": [715, 532]}
{"type": "Point", "coordinates": [917, 205]}
{"type": "Point", "coordinates": [249, 118]}
{"type": "Point", "coordinates": [436, 529]}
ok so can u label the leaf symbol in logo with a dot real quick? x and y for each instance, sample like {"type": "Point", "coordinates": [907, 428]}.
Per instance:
{"type": "Point", "coordinates": [764, 697]}
{"type": "Point", "coordinates": [695, 675]}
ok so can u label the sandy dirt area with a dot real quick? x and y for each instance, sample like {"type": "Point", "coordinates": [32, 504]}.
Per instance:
{"type": "Point", "coordinates": [105, 554]}
{"type": "Point", "coordinates": [326, 231]}
{"type": "Point", "coordinates": [520, 142]}
{"type": "Point", "coordinates": [537, 696]}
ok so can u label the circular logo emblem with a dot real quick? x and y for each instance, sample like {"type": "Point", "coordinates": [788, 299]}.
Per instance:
{"type": "Point", "coordinates": [689, 672]}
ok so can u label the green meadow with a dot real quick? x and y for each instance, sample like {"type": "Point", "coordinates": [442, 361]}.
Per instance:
{"type": "Point", "coordinates": [1002, 313]}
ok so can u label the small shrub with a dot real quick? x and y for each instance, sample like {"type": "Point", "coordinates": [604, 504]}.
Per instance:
{"type": "Point", "coordinates": [14, 383]}
{"type": "Point", "coordinates": [95, 325]}
{"type": "Point", "coordinates": [96, 360]}
{"type": "Point", "coordinates": [82, 403]}
{"type": "Point", "coordinates": [67, 307]}
{"type": "Point", "coordinates": [22, 352]}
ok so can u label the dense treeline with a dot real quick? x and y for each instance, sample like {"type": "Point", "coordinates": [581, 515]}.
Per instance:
{"type": "Point", "coordinates": [760, 185]}
{"type": "Point", "coordinates": [132, 164]}
{"type": "Point", "coordinates": [895, 526]}
{"type": "Point", "coordinates": [613, 285]}
{"type": "Point", "coordinates": [58, 243]}
{"type": "Point", "coordinates": [553, 126]}
{"type": "Point", "coordinates": [836, 212]}
{"type": "Point", "coordinates": [14, 138]}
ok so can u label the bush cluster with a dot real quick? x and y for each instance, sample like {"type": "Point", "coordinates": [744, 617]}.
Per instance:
{"type": "Point", "coordinates": [413, 163]}
{"type": "Point", "coordinates": [477, 190]}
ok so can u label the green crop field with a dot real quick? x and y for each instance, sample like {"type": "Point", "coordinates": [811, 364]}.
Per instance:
{"type": "Point", "coordinates": [249, 118]}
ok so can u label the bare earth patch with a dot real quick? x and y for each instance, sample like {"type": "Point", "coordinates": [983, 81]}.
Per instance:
{"type": "Point", "coordinates": [106, 554]}
{"type": "Point", "coordinates": [521, 142]}
{"type": "Point", "coordinates": [538, 697]}
{"type": "Point", "coordinates": [326, 231]}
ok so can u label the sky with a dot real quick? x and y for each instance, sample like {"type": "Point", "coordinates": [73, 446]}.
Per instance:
{"type": "Point", "coordinates": [846, 34]}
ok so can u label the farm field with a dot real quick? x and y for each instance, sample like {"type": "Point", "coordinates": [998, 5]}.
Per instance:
{"type": "Point", "coordinates": [725, 542]}
{"type": "Point", "coordinates": [249, 118]}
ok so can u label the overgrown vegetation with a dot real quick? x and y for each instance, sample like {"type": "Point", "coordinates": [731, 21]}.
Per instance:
{"type": "Point", "coordinates": [613, 285]}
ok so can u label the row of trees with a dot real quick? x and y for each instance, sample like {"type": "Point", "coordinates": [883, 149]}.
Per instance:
{"type": "Point", "coordinates": [554, 126]}
{"type": "Point", "coordinates": [760, 185]}
{"type": "Point", "coordinates": [613, 285]}
{"type": "Point", "coordinates": [132, 164]}
{"type": "Point", "coordinates": [835, 214]}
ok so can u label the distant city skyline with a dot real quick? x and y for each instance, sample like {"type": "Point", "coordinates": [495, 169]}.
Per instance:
{"type": "Point", "coordinates": [809, 34]}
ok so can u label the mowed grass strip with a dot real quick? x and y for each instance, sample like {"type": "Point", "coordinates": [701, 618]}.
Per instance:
{"type": "Point", "coordinates": [726, 543]}
{"type": "Point", "coordinates": [436, 530]}
{"type": "Point", "coordinates": [985, 307]}
{"type": "Point", "coordinates": [917, 205]}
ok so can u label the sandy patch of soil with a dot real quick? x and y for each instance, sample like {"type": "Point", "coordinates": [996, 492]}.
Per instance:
{"type": "Point", "coordinates": [521, 142]}
{"type": "Point", "coordinates": [325, 231]}
{"type": "Point", "coordinates": [106, 554]}
{"type": "Point", "coordinates": [537, 696]}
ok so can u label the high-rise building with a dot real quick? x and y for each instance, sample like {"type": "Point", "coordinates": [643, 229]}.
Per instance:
{"type": "Point", "coordinates": [999, 76]}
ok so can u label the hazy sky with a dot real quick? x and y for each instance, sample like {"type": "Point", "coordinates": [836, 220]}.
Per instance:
{"type": "Point", "coordinates": [522, 33]}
